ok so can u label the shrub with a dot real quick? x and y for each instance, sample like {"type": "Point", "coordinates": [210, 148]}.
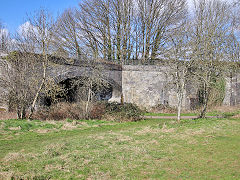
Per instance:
{"type": "Point", "coordinates": [114, 111]}
{"type": "Point", "coordinates": [41, 114]}
{"type": "Point", "coordinates": [60, 111]}
{"type": "Point", "coordinates": [97, 111]}
{"type": "Point", "coordinates": [123, 112]}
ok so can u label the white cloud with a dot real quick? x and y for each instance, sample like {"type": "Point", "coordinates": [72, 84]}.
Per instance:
{"type": "Point", "coordinates": [25, 28]}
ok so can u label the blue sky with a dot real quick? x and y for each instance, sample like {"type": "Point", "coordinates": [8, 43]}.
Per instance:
{"type": "Point", "coordinates": [13, 13]}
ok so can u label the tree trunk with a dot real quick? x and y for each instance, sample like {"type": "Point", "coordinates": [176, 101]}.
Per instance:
{"type": "Point", "coordinates": [204, 110]}
{"type": "Point", "coordinates": [180, 98]}
{"type": "Point", "coordinates": [38, 91]}
{"type": "Point", "coordinates": [89, 98]}
{"type": "Point", "coordinates": [179, 108]}
{"type": "Point", "coordinates": [205, 102]}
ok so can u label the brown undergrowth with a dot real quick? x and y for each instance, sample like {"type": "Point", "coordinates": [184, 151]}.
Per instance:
{"type": "Point", "coordinates": [7, 115]}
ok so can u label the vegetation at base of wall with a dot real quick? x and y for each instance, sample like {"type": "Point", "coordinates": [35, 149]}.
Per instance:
{"type": "Point", "coordinates": [148, 149]}
{"type": "Point", "coordinates": [101, 110]}
{"type": "Point", "coordinates": [161, 108]}
{"type": "Point", "coordinates": [217, 111]}
{"type": "Point", "coordinates": [123, 112]}
{"type": "Point", "coordinates": [218, 92]}
{"type": "Point", "coordinates": [116, 111]}
{"type": "Point", "coordinates": [168, 114]}
{"type": "Point", "coordinates": [60, 111]}
{"type": "Point", "coordinates": [184, 114]}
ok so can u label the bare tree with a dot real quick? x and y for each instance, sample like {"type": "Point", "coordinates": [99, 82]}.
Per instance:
{"type": "Point", "coordinates": [94, 83]}
{"type": "Point", "coordinates": [67, 34]}
{"type": "Point", "coordinates": [127, 29]}
{"type": "Point", "coordinates": [156, 20]}
{"type": "Point", "coordinates": [20, 81]}
{"type": "Point", "coordinates": [178, 63]}
{"type": "Point", "coordinates": [94, 20]}
{"type": "Point", "coordinates": [4, 38]}
{"type": "Point", "coordinates": [210, 29]}
{"type": "Point", "coordinates": [41, 33]}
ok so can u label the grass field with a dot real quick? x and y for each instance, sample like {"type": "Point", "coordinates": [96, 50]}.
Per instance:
{"type": "Point", "coordinates": [148, 149]}
{"type": "Point", "coordinates": [192, 114]}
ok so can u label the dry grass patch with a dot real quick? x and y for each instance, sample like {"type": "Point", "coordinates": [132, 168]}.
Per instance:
{"type": "Point", "coordinates": [194, 132]}
{"type": "Point", "coordinates": [147, 130]}
{"type": "Point", "coordinates": [69, 126]}
{"type": "Point", "coordinates": [7, 115]}
{"type": "Point", "coordinates": [99, 175]}
{"type": "Point", "coordinates": [167, 130]}
{"type": "Point", "coordinates": [16, 156]}
{"type": "Point", "coordinates": [225, 109]}
{"type": "Point", "coordinates": [155, 130]}
{"type": "Point", "coordinates": [6, 175]}
{"type": "Point", "coordinates": [44, 131]}
{"type": "Point", "coordinates": [121, 137]}
{"type": "Point", "coordinates": [236, 116]}
{"type": "Point", "coordinates": [15, 128]}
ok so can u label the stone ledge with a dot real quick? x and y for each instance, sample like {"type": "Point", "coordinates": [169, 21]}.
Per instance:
{"type": "Point", "coordinates": [151, 68]}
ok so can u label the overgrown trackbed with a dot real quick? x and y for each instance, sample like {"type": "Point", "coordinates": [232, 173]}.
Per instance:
{"type": "Point", "coordinates": [148, 149]}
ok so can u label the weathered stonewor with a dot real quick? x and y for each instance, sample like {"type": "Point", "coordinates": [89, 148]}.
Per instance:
{"type": "Point", "coordinates": [3, 91]}
{"type": "Point", "coordinates": [144, 85]}
{"type": "Point", "coordinates": [149, 85]}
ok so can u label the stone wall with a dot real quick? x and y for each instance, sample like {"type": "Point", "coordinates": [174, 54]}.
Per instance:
{"type": "Point", "coordinates": [148, 86]}
{"type": "Point", "coordinates": [3, 91]}
{"type": "Point", "coordinates": [232, 90]}
{"type": "Point", "coordinates": [145, 86]}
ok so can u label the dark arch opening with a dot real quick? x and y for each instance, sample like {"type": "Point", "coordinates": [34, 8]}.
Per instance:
{"type": "Point", "coordinates": [75, 90]}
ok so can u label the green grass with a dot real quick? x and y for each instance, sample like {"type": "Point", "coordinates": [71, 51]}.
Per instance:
{"type": "Point", "coordinates": [186, 114]}
{"type": "Point", "coordinates": [148, 149]}
{"type": "Point", "coordinates": [169, 114]}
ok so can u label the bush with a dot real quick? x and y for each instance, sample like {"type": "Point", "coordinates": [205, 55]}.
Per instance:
{"type": "Point", "coordinates": [41, 114]}
{"type": "Point", "coordinates": [97, 111]}
{"type": "Point", "coordinates": [101, 110]}
{"type": "Point", "coordinates": [123, 112]}
{"type": "Point", "coordinates": [60, 111]}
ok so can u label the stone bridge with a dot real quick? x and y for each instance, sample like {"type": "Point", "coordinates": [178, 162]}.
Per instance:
{"type": "Point", "coordinates": [112, 73]}
{"type": "Point", "coordinates": [144, 85]}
